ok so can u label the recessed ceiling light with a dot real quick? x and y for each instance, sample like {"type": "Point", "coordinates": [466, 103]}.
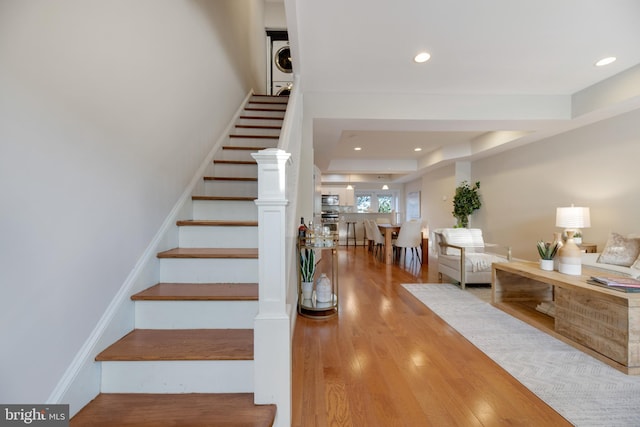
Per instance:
{"type": "Point", "coordinates": [417, 149]}
{"type": "Point", "coordinates": [358, 148]}
{"type": "Point", "coordinates": [605, 61]}
{"type": "Point", "coordinates": [422, 57]}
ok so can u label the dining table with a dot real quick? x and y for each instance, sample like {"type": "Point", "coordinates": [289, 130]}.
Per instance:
{"type": "Point", "coordinates": [387, 230]}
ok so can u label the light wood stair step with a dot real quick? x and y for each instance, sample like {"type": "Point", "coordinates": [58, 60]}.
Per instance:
{"type": "Point", "coordinates": [215, 223]}
{"type": "Point", "coordinates": [258, 127]}
{"type": "Point", "coordinates": [209, 253]}
{"type": "Point", "coordinates": [199, 292]}
{"type": "Point", "coordinates": [242, 116]}
{"type": "Point", "coordinates": [164, 410]}
{"type": "Point", "coordinates": [181, 344]}
{"type": "Point", "coordinates": [236, 162]}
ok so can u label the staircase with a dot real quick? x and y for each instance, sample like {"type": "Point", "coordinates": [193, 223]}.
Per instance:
{"type": "Point", "coordinates": [189, 360]}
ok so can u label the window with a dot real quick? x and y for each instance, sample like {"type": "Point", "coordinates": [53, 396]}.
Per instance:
{"type": "Point", "coordinates": [385, 202]}
{"type": "Point", "coordinates": [375, 202]}
{"type": "Point", "coordinates": [363, 202]}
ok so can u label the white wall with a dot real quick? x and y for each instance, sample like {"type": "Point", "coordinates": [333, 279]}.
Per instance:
{"type": "Point", "coordinates": [594, 166]}
{"type": "Point", "coordinates": [107, 109]}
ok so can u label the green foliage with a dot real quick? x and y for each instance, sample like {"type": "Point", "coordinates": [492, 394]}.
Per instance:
{"type": "Point", "coordinates": [307, 264]}
{"type": "Point", "coordinates": [547, 250]}
{"type": "Point", "coordinates": [465, 202]}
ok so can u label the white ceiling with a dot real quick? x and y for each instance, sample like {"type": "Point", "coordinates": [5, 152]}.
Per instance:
{"type": "Point", "coordinates": [487, 56]}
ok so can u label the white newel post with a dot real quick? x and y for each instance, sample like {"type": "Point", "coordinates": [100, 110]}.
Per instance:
{"type": "Point", "coordinates": [272, 337]}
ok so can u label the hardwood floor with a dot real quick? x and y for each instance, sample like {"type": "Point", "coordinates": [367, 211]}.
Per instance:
{"type": "Point", "coordinates": [387, 360]}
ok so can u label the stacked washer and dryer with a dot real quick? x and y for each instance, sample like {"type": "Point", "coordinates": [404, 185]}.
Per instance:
{"type": "Point", "coordinates": [281, 70]}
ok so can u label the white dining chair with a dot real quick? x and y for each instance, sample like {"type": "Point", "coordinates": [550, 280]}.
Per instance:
{"type": "Point", "coordinates": [375, 235]}
{"type": "Point", "coordinates": [410, 236]}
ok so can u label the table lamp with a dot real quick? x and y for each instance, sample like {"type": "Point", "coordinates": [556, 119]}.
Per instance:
{"type": "Point", "coordinates": [570, 256]}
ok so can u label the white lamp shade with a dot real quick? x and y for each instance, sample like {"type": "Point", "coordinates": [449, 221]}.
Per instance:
{"type": "Point", "coordinates": [573, 217]}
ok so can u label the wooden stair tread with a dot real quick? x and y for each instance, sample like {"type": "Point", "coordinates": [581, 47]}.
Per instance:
{"type": "Point", "coordinates": [181, 344]}
{"type": "Point", "coordinates": [165, 410]}
{"type": "Point", "coordinates": [225, 198]}
{"type": "Point", "coordinates": [216, 223]}
{"type": "Point", "coordinates": [229, 178]}
{"type": "Point", "coordinates": [258, 127]}
{"type": "Point", "coordinates": [209, 253]}
{"type": "Point", "coordinates": [261, 118]}
{"type": "Point", "coordinates": [199, 292]}
{"type": "Point", "coordinates": [236, 162]}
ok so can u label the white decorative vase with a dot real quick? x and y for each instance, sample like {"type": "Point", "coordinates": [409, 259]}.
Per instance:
{"type": "Point", "coordinates": [323, 289]}
{"type": "Point", "coordinates": [546, 264]}
{"type": "Point", "coordinates": [307, 290]}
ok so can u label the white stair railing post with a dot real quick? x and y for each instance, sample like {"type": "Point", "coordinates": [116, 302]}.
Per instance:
{"type": "Point", "coordinates": [272, 335]}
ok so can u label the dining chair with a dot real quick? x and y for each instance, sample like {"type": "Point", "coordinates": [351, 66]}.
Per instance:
{"type": "Point", "coordinates": [376, 236]}
{"type": "Point", "coordinates": [410, 236]}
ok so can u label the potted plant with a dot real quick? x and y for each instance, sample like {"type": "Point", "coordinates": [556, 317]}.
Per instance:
{"type": "Point", "coordinates": [307, 271]}
{"type": "Point", "coordinates": [547, 252]}
{"type": "Point", "coordinates": [465, 202]}
{"type": "Point", "coordinates": [577, 237]}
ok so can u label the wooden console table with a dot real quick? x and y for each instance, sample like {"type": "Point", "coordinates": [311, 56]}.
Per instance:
{"type": "Point", "coordinates": [604, 323]}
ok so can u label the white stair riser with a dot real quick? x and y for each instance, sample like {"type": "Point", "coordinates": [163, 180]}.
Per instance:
{"type": "Point", "coordinates": [253, 142]}
{"type": "Point", "coordinates": [243, 155]}
{"type": "Point", "coordinates": [255, 131]}
{"type": "Point", "coordinates": [188, 270]}
{"type": "Point", "coordinates": [259, 103]}
{"type": "Point", "coordinates": [194, 236]}
{"type": "Point", "coordinates": [231, 188]}
{"type": "Point", "coordinates": [225, 210]}
{"type": "Point", "coordinates": [262, 114]}
{"type": "Point", "coordinates": [226, 376]}
{"type": "Point", "coordinates": [234, 170]}
{"type": "Point", "coordinates": [195, 314]}
{"type": "Point", "coordinates": [260, 122]}
{"type": "Point", "coordinates": [267, 98]}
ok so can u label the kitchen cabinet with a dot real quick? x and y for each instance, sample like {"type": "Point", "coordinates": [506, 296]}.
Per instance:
{"type": "Point", "coordinates": [347, 197]}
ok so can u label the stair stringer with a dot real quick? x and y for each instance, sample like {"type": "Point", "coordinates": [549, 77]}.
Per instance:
{"type": "Point", "coordinates": [81, 381]}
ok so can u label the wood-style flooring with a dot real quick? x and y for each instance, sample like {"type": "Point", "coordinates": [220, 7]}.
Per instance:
{"type": "Point", "coordinates": [387, 360]}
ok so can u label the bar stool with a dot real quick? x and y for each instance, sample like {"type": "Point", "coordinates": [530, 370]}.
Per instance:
{"type": "Point", "coordinates": [351, 225]}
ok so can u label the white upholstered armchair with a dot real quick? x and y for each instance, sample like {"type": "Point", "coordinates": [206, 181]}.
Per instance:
{"type": "Point", "coordinates": [464, 256]}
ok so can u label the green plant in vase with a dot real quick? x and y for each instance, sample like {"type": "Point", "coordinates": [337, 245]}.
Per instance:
{"type": "Point", "coordinates": [465, 202]}
{"type": "Point", "coordinates": [307, 264]}
{"type": "Point", "coordinates": [547, 250]}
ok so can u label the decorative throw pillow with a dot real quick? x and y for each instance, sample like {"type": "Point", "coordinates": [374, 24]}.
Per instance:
{"type": "Point", "coordinates": [620, 250]}
{"type": "Point", "coordinates": [471, 239]}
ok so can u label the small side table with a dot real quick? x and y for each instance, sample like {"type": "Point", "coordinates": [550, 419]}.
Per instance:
{"type": "Point", "coordinates": [590, 248]}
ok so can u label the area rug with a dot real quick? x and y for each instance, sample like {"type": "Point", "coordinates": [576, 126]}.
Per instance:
{"type": "Point", "coordinates": [582, 389]}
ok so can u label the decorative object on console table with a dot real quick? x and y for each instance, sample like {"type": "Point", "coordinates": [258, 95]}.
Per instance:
{"type": "Point", "coordinates": [577, 237]}
{"type": "Point", "coordinates": [547, 252]}
{"type": "Point", "coordinates": [571, 218]}
{"type": "Point", "coordinates": [590, 248]}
